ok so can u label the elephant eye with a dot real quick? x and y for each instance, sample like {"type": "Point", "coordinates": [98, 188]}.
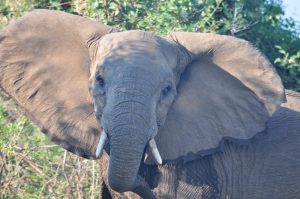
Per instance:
{"type": "Point", "coordinates": [100, 80]}
{"type": "Point", "coordinates": [166, 90]}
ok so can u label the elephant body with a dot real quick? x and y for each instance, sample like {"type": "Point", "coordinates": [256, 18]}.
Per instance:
{"type": "Point", "coordinates": [188, 115]}
{"type": "Point", "coordinates": [267, 166]}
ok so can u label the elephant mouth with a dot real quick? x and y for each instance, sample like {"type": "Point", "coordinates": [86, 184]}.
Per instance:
{"type": "Point", "coordinates": [151, 144]}
{"type": "Point", "coordinates": [139, 185]}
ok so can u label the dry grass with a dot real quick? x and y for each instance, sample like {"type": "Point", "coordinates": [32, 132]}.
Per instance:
{"type": "Point", "coordinates": [33, 167]}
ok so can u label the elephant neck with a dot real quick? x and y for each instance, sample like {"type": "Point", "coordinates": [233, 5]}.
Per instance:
{"type": "Point", "coordinates": [194, 179]}
{"type": "Point", "coordinates": [238, 170]}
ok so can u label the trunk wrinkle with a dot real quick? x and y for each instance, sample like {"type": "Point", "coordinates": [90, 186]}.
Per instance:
{"type": "Point", "coordinates": [129, 101]}
{"type": "Point", "coordinates": [126, 113]}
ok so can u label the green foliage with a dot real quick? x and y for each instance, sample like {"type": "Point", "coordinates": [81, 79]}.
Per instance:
{"type": "Point", "coordinates": [30, 168]}
{"type": "Point", "coordinates": [289, 66]}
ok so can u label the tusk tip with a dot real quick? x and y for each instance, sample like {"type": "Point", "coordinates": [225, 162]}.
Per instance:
{"type": "Point", "coordinates": [159, 162]}
{"type": "Point", "coordinates": [155, 151]}
{"type": "Point", "coordinates": [98, 152]}
{"type": "Point", "coordinates": [101, 144]}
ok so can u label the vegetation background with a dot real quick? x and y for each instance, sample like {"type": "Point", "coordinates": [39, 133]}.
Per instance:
{"type": "Point", "coordinates": [33, 167]}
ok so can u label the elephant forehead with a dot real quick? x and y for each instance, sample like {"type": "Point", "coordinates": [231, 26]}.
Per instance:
{"type": "Point", "coordinates": [129, 50]}
{"type": "Point", "coordinates": [117, 61]}
{"type": "Point", "coordinates": [132, 35]}
{"type": "Point", "coordinates": [133, 56]}
{"type": "Point", "coordinates": [137, 45]}
{"type": "Point", "coordinates": [133, 50]}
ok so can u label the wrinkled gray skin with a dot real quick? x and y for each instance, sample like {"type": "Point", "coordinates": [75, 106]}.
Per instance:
{"type": "Point", "coordinates": [267, 166]}
{"type": "Point", "coordinates": [132, 96]}
{"type": "Point", "coordinates": [131, 99]}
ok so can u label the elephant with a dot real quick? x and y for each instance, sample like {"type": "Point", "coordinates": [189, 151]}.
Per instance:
{"type": "Point", "coordinates": [188, 115]}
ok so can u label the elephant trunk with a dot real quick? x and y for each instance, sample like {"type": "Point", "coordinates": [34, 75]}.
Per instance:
{"type": "Point", "coordinates": [129, 134]}
{"type": "Point", "coordinates": [125, 156]}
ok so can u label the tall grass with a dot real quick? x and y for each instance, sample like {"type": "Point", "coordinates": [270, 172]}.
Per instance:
{"type": "Point", "coordinates": [31, 166]}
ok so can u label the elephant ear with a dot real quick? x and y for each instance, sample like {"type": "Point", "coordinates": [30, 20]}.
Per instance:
{"type": "Point", "coordinates": [45, 66]}
{"type": "Point", "coordinates": [227, 90]}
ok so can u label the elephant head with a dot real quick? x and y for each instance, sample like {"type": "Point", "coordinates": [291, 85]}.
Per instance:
{"type": "Point", "coordinates": [157, 99]}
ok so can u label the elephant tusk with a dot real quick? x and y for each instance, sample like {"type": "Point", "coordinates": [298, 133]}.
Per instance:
{"type": "Point", "coordinates": [101, 143]}
{"type": "Point", "coordinates": [155, 151]}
